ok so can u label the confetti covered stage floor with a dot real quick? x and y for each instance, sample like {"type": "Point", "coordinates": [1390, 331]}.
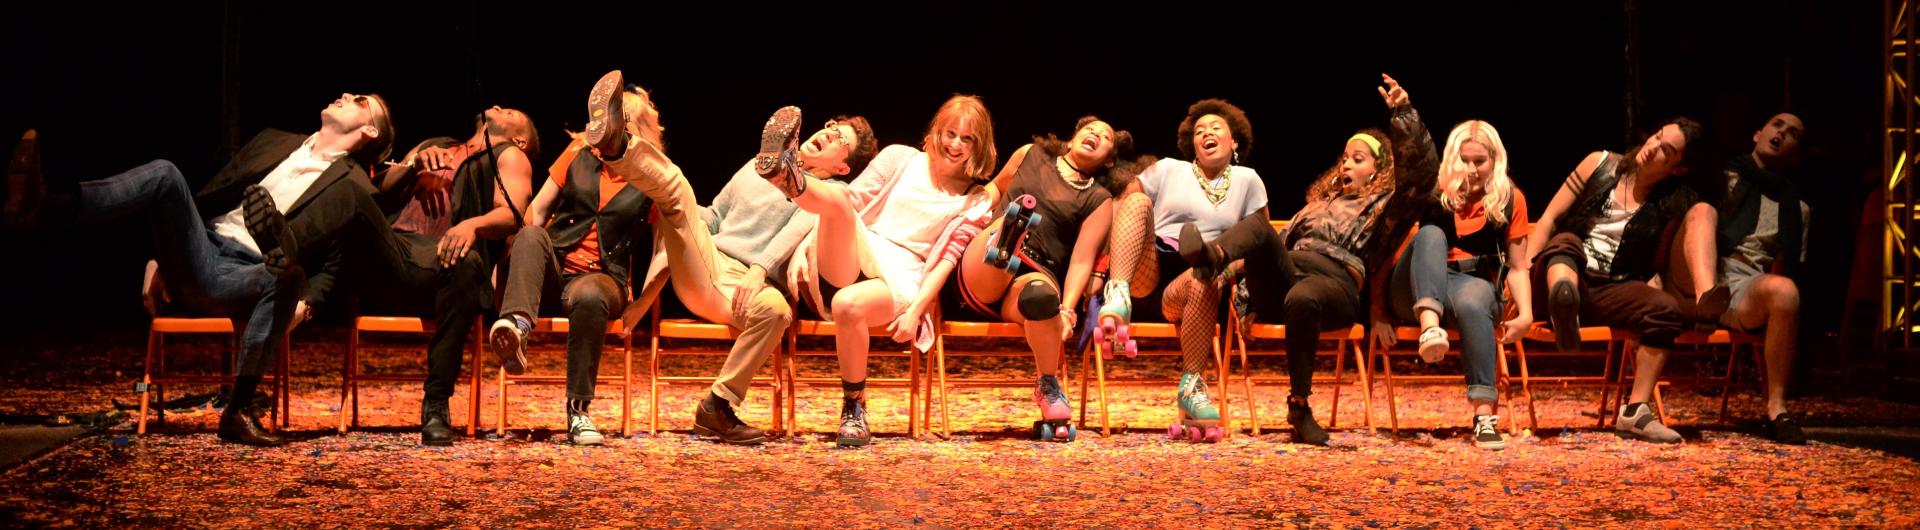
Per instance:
{"type": "Point", "coordinates": [1564, 473]}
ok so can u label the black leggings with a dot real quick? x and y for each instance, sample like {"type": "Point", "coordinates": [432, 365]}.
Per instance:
{"type": "Point", "coordinates": [1310, 291]}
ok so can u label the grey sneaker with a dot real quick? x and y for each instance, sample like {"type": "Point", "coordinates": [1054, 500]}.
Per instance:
{"type": "Point", "coordinates": [1643, 425]}
{"type": "Point", "coordinates": [580, 430]}
{"type": "Point", "coordinates": [509, 339]}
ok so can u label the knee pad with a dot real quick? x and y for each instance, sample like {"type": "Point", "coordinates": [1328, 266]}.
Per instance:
{"type": "Point", "coordinates": [1039, 301]}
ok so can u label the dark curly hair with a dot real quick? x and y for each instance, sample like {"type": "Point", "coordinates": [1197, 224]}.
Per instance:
{"type": "Point", "coordinates": [1237, 124]}
{"type": "Point", "coordinates": [864, 148]}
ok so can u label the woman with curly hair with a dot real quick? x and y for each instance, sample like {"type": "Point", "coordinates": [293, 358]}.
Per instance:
{"type": "Point", "coordinates": [1311, 276]}
{"type": "Point", "coordinates": [1059, 193]}
{"type": "Point", "coordinates": [1209, 192]}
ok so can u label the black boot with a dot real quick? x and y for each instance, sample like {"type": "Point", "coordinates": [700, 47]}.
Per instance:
{"type": "Point", "coordinates": [436, 425]}
{"type": "Point", "coordinates": [853, 423]}
{"type": "Point", "coordinates": [853, 415]}
{"type": "Point", "coordinates": [1306, 430]}
{"type": "Point", "coordinates": [1206, 259]}
{"type": "Point", "coordinates": [268, 226]}
{"type": "Point", "coordinates": [1563, 311]}
{"type": "Point", "coordinates": [236, 425]}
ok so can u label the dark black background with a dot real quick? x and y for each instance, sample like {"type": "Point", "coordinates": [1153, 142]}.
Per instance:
{"type": "Point", "coordinates": [111, 87]}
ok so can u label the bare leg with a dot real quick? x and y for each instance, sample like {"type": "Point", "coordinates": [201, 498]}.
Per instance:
{"type": "Point", "coordinates": [1700, 253]}
{"type": "Point", "coordinates": [1773, 302]}
{"type": "Point", "coordinates": [839, 225]}
{"type": "Point", "coordinates": [1646, 373]}
{"type": "Point", "coordinates": [856, 309]}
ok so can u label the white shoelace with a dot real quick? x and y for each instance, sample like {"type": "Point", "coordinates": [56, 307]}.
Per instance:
{"type": "Point", "coordinates": [1486, 424]}
{"type": "Point", "coordinates": [583, 424]}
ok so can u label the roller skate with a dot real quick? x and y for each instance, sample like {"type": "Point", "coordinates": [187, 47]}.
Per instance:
{"type": "Point", "coordinates": [1002, 247]}
{"type": "Point", "coordinates": [1199, 418]}
{"type": "Point", "coordinates": [1056, 414]}
{"type": "Point", "coordinates": [1114, 317]}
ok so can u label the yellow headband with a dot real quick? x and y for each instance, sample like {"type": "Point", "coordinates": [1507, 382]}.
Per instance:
{"type": "Point", "coordinates": [1370, 141]}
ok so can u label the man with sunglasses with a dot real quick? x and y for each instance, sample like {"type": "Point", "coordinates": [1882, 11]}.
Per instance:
{"type": "Point", "coordinates": [425, 240]}
{"type": "Point", "coordinates": [213, 262]}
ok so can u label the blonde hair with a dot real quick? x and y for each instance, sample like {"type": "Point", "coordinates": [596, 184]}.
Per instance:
{"type": "Point", "coordinates": [1454, 172]}
{"type": "Point", "coordinates": [981, 162]}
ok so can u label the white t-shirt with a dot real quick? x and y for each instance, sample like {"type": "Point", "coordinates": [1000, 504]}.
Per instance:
{"type": "Point", "coordinates": [1178, 198]}
{"type": "Point", "coordinates": [916, 211]}
{"type": "Point", "coordinates": [1603, 242]}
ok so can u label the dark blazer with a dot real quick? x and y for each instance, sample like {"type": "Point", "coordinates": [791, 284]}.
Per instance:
{"type": "Point", "coordinates": [320, 255]}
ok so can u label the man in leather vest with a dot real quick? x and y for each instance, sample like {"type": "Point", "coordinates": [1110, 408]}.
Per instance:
{"type": "Point", "coordinates": [205, 249]}
{"type": "Point", "coordinates": [721, 256]}
{"type": "Point", "coordinates": [1596, 250]}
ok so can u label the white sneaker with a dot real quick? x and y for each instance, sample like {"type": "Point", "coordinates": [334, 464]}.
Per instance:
{"type": "Point", "coordinates": [1644, 426]}
{"type": "Point", "coordinates": [1433, 344]}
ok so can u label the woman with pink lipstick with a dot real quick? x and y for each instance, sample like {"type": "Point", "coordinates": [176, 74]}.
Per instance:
{"type": "Point", "coordinates": [1062, 187]}
{"type": "Point", "coordinates": [886, 243]}
{"type": "Point", "coordinates": [1311, 276]}
{"type": "Point", "coordinates": [1209, 193]}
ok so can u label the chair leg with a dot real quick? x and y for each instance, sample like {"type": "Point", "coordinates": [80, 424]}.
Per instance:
{"type": "Point", "coordinates": [1339, 381]}
{"type": "Point", "coordinates": [1526, 389]}
{"type": "Point", "coordinates": [285, 418]}
{"type": "Point", "coordinates": [348, 405]}
{"type": "Point", "coordinates": [1226, 405]}
{"type": "Point", "coordinates": [501, 379]}
{"type": "Point", "coordinates": [1726, 384]}
{"type": "Point", "coordinates": [154, 344]}
{"type": "Point", "coordinates": [924, 384]}
{"type": "Point", "coordinates": [1366, 386]}
{"type": "Point", "coordinates": [626, 382]}
{"type": "Point", "coordinates": [1393, 403]}
{"type": "Point", "coordinates": [1660, 406]}
{"type": "Point", "coordinates": [473, 380]}
{"type": "Point", "coordinates": [1100, 372]}
{"type": "Point", "coordinates": [780, 389]}
{"type": "Point", "coordinates": [793, 394]}
{"type": "Point", "coordinates": [1085, 364]}
{"type": "Point", "coordinates": [1607, 378]}
{"type": "Point", "coordinates": [1505, 380]}
{"type": "Point", "coordinates": [1246, 385]}
{"type": "Point", "coordinates": [946, 428]}
{"type": "Point", "coordinates": [915, 365]}
{"type": "Point", "coordinates": [653, 383]}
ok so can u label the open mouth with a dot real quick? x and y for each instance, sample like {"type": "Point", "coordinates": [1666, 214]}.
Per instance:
{"type": "Point", "coordinates": [1091, 143]}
